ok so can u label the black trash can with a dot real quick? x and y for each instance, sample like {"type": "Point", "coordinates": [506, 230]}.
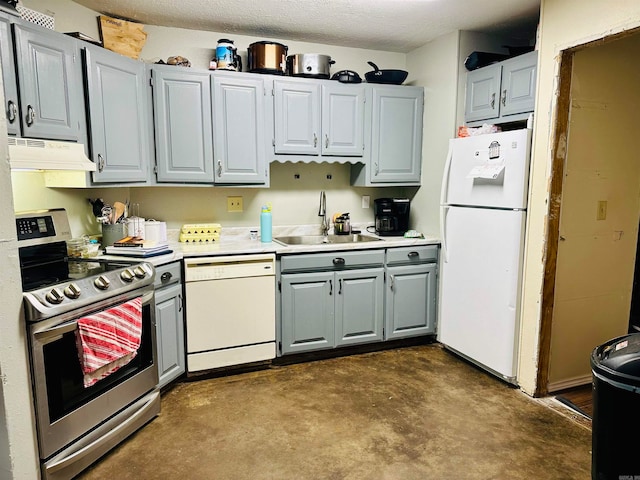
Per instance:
{"type": "Point", "coordinates": [615, 366]}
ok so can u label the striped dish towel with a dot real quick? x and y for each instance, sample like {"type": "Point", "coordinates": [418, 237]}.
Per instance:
{"type": "Point", "coordinates": [109, 340]}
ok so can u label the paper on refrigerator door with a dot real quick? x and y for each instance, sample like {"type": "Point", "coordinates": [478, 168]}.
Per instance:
{"type": "Point", "coordinates": [487, 170]}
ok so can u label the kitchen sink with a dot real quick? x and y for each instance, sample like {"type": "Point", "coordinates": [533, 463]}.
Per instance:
{"type": "Point", "coordinates": [320, 239]}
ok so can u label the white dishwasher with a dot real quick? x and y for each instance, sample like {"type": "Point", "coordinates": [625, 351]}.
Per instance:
{"type": "Point", "coordinates": [230, 310]}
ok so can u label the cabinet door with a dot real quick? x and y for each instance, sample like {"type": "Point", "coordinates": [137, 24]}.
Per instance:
{"type": "Point", "coordinates": [343, 120]}
{"type": "Point", "coordinates": [297, 117]}
{"type": "Point", "coordinates": [519, 84]}
{"type": "Point", "coordinates": [396, 134]}
{"type": "Point", "coordinates": [182, 119]}
{"type": "Point", "coordinates": [9, 78]}
{"type": "Point", "coordinates": [359, 306]}
{"type": "Point", "coordinates": [482, 99]}
{"type": "Point", "coordinates": [410, 300]}
{"type": "Point", "coordinates": [118, 116]}
{"type": "Point", "coordinates": [239, 130]}
{"type": "Point", "coordinates": [170, 333]}
{"type": "Point", "coordinates": [307, 312]}
{"type": "Point", "coordinates": [50, 79]}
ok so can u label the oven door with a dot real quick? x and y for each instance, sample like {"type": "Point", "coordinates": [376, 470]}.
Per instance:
{"type": "Point", "coordinates": [65, 409]}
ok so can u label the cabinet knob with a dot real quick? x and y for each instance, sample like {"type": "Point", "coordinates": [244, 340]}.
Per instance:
{"type": "Point", "coordinates": [165, 277]}
{"type": "Point", "coordinates": [31, 115]}
{"type": "Point", "coordinates": [412, 254]}
{"type": "Point", "coordinates": [338, 261]}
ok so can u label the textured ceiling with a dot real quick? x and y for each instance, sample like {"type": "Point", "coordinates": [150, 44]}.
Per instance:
{"type": "Point", "coordinates": [387, 25]}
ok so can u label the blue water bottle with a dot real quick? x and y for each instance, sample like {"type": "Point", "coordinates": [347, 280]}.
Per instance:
{"type": "Point", "coordinates": [265, 224]}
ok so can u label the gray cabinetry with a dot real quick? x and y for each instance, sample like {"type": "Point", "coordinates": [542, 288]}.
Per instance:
{"type": "Point", "coordinates": [394, 138]}
{"type": "Point", "coordinates": [331, 299]}
{"type": "Point", "coordinates": [119, 116]}
{"type": "Point", "coordinates": [318, 118]}
{"type": "Point", "coordinates": [239, 129]}
{"type": "Point", "coordinates": [169, 323]}
{"type": "Point", "coordinates": [410, 297]}
{"type": "Point", "coordinates": [502, 92]}
{"type": "Point", "coordinates": [183, 125]}
{"type": "Point", "coordinates": [9, 77]}
{"type": "Point", "coordinates": [50, 84]}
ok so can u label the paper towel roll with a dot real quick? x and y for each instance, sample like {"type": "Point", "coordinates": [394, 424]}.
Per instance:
{"type": "Point", "coordinates": [155, 231]}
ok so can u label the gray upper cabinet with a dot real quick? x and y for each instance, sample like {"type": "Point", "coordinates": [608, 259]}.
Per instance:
{"type": "Point", "coordinates": [50, 80]}
{"type": "Point", "coordinates": [297, 117]}
{"type": "Point", "coordinates": [396, 137]}
{"type": "Point", "coordinates": [9, 78]}
{"type": "Point", "coordinates": [239, 131]}
{"type": "Point", "coordinates": [318, 118]}
{"type": "Point", "coordinates": [183, 125]}
{"type": "Point", "coordinates": [502, 92]}
{"type": "Point", "coordinates": [119, 116]}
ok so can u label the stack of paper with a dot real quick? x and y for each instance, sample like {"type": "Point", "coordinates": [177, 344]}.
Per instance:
{"type": "Point", "coordinates": [137, 247]}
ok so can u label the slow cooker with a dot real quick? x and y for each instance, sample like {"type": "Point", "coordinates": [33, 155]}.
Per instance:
{"type": "Point", "coordinates": [267, 57]}
{"type": "Point", "coordinates": [311, 65]}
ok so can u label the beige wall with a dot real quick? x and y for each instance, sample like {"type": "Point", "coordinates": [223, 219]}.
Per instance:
{"type": "Point", "coordinates": [563, 24]}
{"type": "Point", "coordinates": [596, 258]}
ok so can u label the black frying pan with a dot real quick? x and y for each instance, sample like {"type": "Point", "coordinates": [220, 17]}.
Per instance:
{"type": "Point", "coordinates": [394, 77]}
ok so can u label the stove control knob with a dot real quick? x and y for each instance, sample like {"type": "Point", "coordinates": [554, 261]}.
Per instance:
{"type": "Point", "coordinates": [127, 275]}
{"type": "Point", "coordinates": [140, 271]}
{"type": "Point", "coordinates": [102, 282]}
{"type": "Point", "coordinates": [54, 296]}
{"type": "Point", "coordinates": [72, 291]}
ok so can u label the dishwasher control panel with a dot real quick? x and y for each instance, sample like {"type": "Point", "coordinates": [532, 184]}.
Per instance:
{"type": "Point", "coordinates": [233, 266]}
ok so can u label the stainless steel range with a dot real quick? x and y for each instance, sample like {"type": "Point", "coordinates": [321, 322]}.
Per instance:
{"type": "Point", "coordinates": [77, 424]}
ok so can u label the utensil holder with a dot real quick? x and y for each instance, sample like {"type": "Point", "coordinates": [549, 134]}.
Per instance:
{"type": "Point", "coordinates": [112, 232]}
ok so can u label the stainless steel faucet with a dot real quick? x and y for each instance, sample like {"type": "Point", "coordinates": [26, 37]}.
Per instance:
{"type": "Point", "coordinates": [322, 212]}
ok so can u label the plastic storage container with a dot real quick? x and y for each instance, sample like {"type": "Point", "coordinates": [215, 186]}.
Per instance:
{"type": "Point", "coordinates": [265, 224]}
{"type": "Point", "coordinates": [615, 366]}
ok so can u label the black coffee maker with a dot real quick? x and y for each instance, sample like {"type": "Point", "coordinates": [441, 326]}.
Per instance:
{"type": "Point", "coordinates": [392, 216]}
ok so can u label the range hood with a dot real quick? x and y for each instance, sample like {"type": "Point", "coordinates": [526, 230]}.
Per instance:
{"type": "Point", "coordinates": [35, 154]}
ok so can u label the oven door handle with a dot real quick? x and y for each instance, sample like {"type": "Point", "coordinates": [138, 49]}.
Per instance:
{"type": "Point", "coordinates": [48, 335]}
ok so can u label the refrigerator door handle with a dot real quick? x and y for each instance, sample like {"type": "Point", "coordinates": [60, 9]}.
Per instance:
{"type": "Point", "coordinates": [443, 235]}
{"type": "Point", "coordinates": [445, 175]}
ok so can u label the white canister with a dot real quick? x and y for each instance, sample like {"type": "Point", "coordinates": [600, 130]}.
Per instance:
{"type": "Point", "coordinates": [155, 231]}
{"type": "Point", "coordinates": [136, 227]}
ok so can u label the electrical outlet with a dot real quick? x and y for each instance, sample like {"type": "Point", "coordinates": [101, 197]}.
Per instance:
{"type": "Point", "coordinates": [234, 204]}
{"type": "Point", "coordinates": [602, 210]}
{"type": "Point", "coordinates": [366, 199]}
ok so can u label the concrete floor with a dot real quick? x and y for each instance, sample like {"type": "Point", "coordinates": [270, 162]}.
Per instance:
{"type": "Point", "coordinates": [410, 413]}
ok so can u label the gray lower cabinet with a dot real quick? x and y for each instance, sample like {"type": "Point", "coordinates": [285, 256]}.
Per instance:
{"type": "Point", "coordinates": [169, 323]}
{"type": "Point", "coordinates": [340, 303]}
{"type": "Point", "coordinates": [119, 114]}
{"type": "Point", "coordinates": [50, 84]}
{"type": "Point", "coordinates": [183, 125]}
{"type": "Point", "coordinates": [239, 129]}
{"type": "Point", "coordinates": [410, 296]}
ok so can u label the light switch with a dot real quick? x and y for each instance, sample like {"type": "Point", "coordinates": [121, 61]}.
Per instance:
{"type": "Point", "coordinates": [365, 201]}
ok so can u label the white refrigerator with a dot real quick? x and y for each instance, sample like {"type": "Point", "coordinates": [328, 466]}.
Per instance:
{"type": "Point", "coordinates": [482, 221]}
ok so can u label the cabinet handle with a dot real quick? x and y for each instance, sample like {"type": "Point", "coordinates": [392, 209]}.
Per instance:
{"type": "Point", "coordinates": [412, 254]}
{"type": "Point", "coordinates": [504, 98]}
{"type": "Point", "coordinates": [338, 261]}
{"type": "Point", "coordinates": [100, 162]}
{"type": "Point", "coordinates": [179, 302]}
{"type": "Point", "coordinates": [330, 287]}
{"type": "Point", "coordinates": [12, 111]}
{"type": "Point", "coordinates": [165, 277]}
{"type": "Point", "coordinates": [31, 115]}
{"type": "Point", "coordinates": [493, 100]}
{"type": "Point", "coordinates": [391, 280]}
{"type": "Point", "coordinates": [219, 168]}
{"type": "Point", "coordinates": [326, 140]}
{"type": "Point", "coordinates": [375, 168]}
{"type": "Point", "coordinates": [315, 140]}
{"type": "Point", "coordinates": [340, 287]}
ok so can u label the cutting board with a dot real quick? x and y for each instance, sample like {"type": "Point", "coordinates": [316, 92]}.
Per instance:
{"type": "Point", "coordinates": [122, 36]}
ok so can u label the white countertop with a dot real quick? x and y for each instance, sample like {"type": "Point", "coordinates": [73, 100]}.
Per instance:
{"type": "Point", "coordinates": [236, 241]}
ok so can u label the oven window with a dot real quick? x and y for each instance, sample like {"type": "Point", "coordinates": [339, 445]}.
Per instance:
{"type": "Point", "coordinates": [65, 389]}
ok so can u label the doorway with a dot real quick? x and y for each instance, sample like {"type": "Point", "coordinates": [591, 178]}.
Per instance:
{"type": "Point", "coordinates": [593, 219]}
